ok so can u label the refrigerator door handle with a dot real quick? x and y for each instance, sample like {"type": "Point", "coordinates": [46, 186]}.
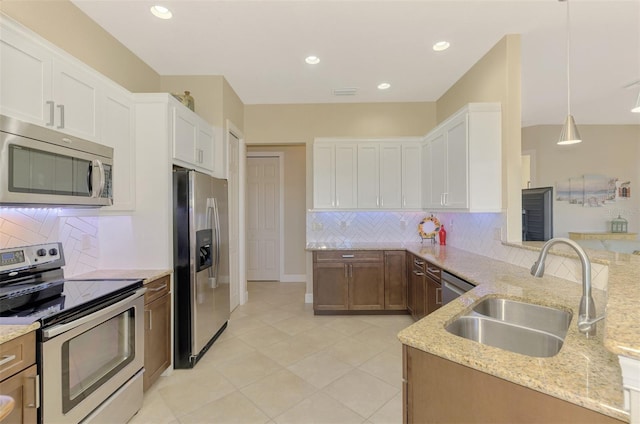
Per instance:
{"type": "Point", "coordinates": [217, 228]}
{"type": "Point", "coordinates": [212, 214]}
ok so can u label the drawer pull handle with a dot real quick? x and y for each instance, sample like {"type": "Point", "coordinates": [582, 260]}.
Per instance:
{"type": "Point", "coordinates": [6, 359]}
{"type": "Point", "coordinates": [418, 273]}
{"type": "Point", "coordinates": [157, 289]}
{"type": "Point", "coordinates": [417, 262]}
{"type": "Point", "coordinates": [348, 256]}
{"type": "Point", "coordinates": [434, 270]}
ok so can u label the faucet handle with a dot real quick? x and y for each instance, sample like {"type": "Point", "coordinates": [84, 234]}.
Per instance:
{"type": "Point", "coordinates": [586, 325]}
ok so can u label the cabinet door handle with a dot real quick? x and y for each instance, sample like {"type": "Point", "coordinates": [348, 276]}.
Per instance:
{"type": "Point", "coordinates": [50, 123]}
{"type": "Point", "coordinates": [6, 359]}
{"type": "Point", "coordinates": [150, 319]}
{"type": "Point", "coordinates": [446, 200]}
{"type": "Point", "coordinates": [438, 292]}
{"type": "Point", "coordinates": [346, 271]}
{"type": "Point", "coordinates": [348, 256]}
{"type": "Point", "coordinates": [36, 392]}
{"type": "Point", "coordinates": [61, 126]}
{"type": "Point", "coordinates": [157, 289]}
{"type": "Point", "coordinates": [337, 202]}
{"type": "Point", "coordinates": [404, 201]}
{"type": "Point", "coordinates": [351, 271]}
{"type": "Point", "coordinates": [377, 201]}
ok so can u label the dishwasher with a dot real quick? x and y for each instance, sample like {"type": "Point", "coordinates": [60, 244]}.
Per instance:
{"type": "Point", "coordinates": [453, 287]}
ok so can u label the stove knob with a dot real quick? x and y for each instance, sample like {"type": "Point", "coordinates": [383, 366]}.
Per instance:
{"type": "Point", "coordinates": [53, 252]}
{"type": "Point", "coordinates": [41, 252]}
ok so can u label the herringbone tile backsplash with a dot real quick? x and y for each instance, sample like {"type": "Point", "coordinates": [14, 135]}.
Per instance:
{"type": "Point", "coordinates": [479, 233]}
{"type": "Point", "coordinates": [78, 235]}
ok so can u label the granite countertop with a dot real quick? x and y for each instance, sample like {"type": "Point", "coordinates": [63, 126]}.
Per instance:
{"type": "Point", "coordinates": [585, 372]}
{"type": "Point", "coordinates": [147, 275]}
{"type": "Point", "coordinates": [10, 332]}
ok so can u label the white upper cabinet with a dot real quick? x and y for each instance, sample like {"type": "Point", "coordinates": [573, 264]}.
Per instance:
{"type": "Point", "coordinates": [334, 175]}
{"type": "Point", "coordinates": [118, 132]}
{"type": "Point", "coordinates": [193, 139]}
{"type": "Point", "coordinates": [346, 172]}
{"type": "Point", "coordinates": [26, 78]}
{"type": "Point", "coordinates": [366, 174]}
{"type": "Point", "coordinates": [44, 87]}
{"type": "Point", "coordinates": [411, 175]}
{"type": "Point", "coordinates": [462, 161]}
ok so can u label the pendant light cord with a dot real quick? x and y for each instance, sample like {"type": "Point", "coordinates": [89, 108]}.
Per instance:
{"type": "Point", "coordinates": [568, 63]}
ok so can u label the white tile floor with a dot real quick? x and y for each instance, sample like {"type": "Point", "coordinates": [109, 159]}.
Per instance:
{"type": "Point", "coordinates": [278, 363]}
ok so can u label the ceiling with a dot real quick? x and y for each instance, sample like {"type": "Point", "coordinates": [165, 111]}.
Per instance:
{"type": "Point", "coordinates": [260, 46]}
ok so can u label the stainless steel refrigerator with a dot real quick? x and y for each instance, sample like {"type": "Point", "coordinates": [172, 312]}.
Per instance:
{"type": "Point", "coordinates": [201, 264]}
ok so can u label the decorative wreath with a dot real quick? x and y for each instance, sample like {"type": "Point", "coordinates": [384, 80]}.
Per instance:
{"type": "Point", "coordinates": [428, 227]}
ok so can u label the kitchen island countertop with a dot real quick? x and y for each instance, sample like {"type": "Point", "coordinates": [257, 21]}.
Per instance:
{"type": "Point", "coordinates": [9, 332]}
{"type": "Point", "coordinates": [585, 372]}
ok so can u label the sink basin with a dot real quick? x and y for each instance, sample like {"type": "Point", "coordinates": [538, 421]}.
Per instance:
{"type": "Point", "coordinates": [515, 338]}
{"type": "Point", "coordinates": [520, 327]}
{"type": "Point", "coordinates": [538, 317]}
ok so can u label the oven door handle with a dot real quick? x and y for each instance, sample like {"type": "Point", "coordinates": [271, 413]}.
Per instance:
{"type": "Point", "coordinates": [56, 330]}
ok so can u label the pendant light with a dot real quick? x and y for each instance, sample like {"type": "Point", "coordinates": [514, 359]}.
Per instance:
{"type": "Point", "coordinates": [569, 133]}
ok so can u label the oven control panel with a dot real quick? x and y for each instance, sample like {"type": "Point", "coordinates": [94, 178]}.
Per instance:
{"type": "Point", "coordinates": [17, 258]}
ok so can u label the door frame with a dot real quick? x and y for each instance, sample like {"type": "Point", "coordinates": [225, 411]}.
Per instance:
{"type": "Point", "coordinates": [280, 156]}
{"type": "Point", "coordinates": [233, 130]}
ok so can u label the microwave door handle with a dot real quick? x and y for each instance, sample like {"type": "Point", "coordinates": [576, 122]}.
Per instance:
{"type": "Point", "coordinates": [96, 187]}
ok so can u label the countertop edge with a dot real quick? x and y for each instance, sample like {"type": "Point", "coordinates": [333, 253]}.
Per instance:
{"type": "Point", "coordinates": [10, 332]}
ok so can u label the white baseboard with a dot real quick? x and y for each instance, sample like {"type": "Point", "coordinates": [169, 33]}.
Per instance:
{"type": "Point", "coordinates": [293, 278]}
{"type": "Point", "coordinates": [308, 298]}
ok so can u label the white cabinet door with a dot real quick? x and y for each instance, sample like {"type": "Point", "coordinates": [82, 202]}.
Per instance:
{"type": "Point", "coordinates": [462, 161]}
{"type": "Point", "coordinates": [346, 176]}
{"type": "Point", "coordinates": [324, 175]}
{"type": "Point", "coordinates": [411, 177]}
{"type": "Point", "coordinates": [456, 194]}
{"type": "Point", "coordinates": [390, 178]}
{"type": "Point", "coordinates": [368, 176]}
{"type": "Point", "coordinates": [435, 185]}
{"type": "Point", "coordinates": [25, 79]}
{"type": "Point", "coordinates": [185, 135]}
{"type": "Point", "coordinates": [204, 146]}
{"type": "Point", "coordinates": [117, 132]}
{"type": "Point", "coordinates": [77, 101]}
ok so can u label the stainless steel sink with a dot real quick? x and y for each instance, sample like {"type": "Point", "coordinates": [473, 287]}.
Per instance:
{"type": "Point", "coordinates": [510, 337]}
{"type": "Point", "coordinates": [520, 327]}
{"type": "Point", "coordinates": [544, 318]}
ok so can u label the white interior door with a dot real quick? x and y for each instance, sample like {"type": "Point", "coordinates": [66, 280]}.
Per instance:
{"type": "Point", "coordinates": [234, 221]}
{"type": "Point", "coordinates": [263, 218]}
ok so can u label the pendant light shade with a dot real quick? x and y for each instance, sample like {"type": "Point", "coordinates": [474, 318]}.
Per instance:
{"type": "Point", "coordinates": [636, 109]}
{"type": "Point", "coordinates": [569, 133]}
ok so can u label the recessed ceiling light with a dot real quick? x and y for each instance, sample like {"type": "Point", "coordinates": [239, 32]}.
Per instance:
{"type": "Point", "coordinates": [383, 86]}
{"type": "Point", "coordinates": [312, 60]}
{"type": "Point", "coordinates": [161, 12]}
{"type": "Point", "coordinates": [441, 45]}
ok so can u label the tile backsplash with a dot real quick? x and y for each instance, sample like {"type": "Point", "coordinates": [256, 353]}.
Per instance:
{"type": "Point", "coordinates": [480, 233]}
{"type": "Point", "coordinates": [78, 235]}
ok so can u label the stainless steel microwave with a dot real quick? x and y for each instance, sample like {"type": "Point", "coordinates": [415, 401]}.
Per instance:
{"type": "Point", "coordinates": [43, 167]}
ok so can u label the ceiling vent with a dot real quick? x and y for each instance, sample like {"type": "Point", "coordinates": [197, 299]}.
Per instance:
{"type": "Point", "coordinates": [345, 91]}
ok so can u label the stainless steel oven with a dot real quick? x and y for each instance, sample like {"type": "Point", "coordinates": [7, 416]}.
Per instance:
{"type": "Point", "coordinates": [90, 345]}
{"type": "Point", "coordinates": [92, 366]}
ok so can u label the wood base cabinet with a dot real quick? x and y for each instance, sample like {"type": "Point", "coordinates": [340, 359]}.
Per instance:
{"type": "Point", "coordinates": [424, 291]}
{"type": "Point", "coordinates": [157, 334]}
{"type": "Point", "coordinates": [359, 280]}
{"type": "Point", "coordinates": [436, 390]}
{"type": "Point", "coordinates": [19, 378]}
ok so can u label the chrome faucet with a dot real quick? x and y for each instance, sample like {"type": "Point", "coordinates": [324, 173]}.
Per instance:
{"type": "Point", "coordinates": [587, 312]}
